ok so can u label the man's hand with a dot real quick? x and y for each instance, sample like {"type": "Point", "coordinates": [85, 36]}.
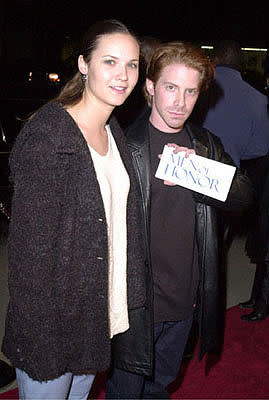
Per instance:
{"type": "Point", "coordinates": [177, 149]}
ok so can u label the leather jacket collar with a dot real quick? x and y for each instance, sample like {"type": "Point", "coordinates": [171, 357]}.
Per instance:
{"type": "Point", "coordinates": [137, 135]}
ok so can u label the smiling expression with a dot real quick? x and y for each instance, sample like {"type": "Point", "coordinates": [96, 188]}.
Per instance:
{"type": "Point", "coordinates": [112, 71]}
{"type": "Point", "coordinates": [174, 97]}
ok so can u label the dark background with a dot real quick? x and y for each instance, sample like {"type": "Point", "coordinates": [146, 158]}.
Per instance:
{"type": "Point", "coordinates": [46, 31]}
{"type": "Point", "coordinates": [41, 36]}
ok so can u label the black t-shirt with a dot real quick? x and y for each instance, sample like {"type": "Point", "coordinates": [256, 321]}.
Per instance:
{"type": "Point", "coordinates": [173, 249]}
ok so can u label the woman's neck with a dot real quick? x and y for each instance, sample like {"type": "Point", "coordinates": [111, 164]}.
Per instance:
{"type": "Point", "coordinates": [91, 113]}
{"type": "Point", "coordinates": [91, 122]}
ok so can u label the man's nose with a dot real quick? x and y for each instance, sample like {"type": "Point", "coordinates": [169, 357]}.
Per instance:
{"type": "Point", "coordinates": [180, 100]}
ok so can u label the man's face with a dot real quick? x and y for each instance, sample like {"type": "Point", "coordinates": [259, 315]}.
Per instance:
{"type": "Point", "coordinates": [174, 96]}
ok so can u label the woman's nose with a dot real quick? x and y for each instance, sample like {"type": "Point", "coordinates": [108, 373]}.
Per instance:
{"type": "Point", "coordinates": [122, 73]}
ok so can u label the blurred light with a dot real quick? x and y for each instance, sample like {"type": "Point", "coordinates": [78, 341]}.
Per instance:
{"type": "Point", "coordinates": [253, 49]}
{"type": "Point", "coordinates": [242, 48]}
{"type": "Point", "coordinates": [3, 135]}
{"type": "Point", "coordinates": [30, 76]}
{"type": "Point", "coordinates": [53, 77]}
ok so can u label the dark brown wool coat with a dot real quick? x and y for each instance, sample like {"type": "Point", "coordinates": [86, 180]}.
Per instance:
{"type": "Point", "coordinates": [57, 318]}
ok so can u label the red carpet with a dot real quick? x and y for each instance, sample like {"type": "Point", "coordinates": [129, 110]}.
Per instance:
{"type": "Point", "coordinates": [240, 372]}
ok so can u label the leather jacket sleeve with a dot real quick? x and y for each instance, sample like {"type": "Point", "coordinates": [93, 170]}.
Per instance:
{"type": "Point", "coordinates": [241, 194]}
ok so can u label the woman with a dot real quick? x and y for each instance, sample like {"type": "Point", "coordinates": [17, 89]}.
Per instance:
{"type": "Point", "coordinates": [74, 242]}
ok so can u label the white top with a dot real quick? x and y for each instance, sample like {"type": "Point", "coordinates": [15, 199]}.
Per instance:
{"type": "Point", "coordinates": [114, 185]}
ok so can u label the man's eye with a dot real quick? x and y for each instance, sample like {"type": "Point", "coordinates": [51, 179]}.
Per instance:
{"type": "Point", "coordinates": [192, 91]}
{"type": "Point", "coordinates": [170, 87]}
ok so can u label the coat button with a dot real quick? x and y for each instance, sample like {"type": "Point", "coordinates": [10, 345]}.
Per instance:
{"type": "Point", "coordinates": [100, 219]}
{"type": "Point", "coordinates": [100, 258]}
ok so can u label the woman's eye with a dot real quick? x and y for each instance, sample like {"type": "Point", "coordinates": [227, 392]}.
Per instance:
{"type": "Point", "coordinates": [133, 65]}
{"type": "Point", "coordinates": [110, 62]}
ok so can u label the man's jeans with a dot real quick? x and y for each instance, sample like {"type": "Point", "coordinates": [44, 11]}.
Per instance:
{"type": "Point", "coordinates": [170, 340]}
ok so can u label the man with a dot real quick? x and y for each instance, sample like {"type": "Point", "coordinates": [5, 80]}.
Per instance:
{"type": "Point", "coordinates": [234, 110]}
{"type": "Point", "coordinates": [180, 226]}
{"type": "Point", "coordinates": [237, 113]}
{"type": "Point", "coordinates": [257, 249]}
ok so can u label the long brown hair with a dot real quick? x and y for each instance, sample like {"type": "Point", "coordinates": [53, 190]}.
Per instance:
{"type": "Point", "coordinates": [72, 91]}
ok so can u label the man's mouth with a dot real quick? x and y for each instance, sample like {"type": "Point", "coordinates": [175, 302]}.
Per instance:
{"type": "Point", "coordinates": [176, 113]}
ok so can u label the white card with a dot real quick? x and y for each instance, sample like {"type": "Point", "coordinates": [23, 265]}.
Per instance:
{"type": "Point", "coordinates": [209, 177]}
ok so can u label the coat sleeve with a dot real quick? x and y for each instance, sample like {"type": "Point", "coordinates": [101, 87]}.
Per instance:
{"type": "Point", "coordinates": [32, 244]}
{"type": "Point", "coordinates": [241, 195]}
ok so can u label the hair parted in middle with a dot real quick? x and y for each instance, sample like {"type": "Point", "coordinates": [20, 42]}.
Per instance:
{"type": "Point", "coordinates": [71, 92]}
{"type": "Point", "coordinates": [179, 53]}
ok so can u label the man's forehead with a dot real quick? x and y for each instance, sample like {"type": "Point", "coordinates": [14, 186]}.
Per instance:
{"type": "Point", "coordinates": [179, 72]}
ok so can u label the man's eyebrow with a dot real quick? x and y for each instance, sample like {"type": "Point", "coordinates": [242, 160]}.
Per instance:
{"type": "Point", "coordinates": [169, 83]}
{"type": "Point", "coordinates": [174, 84]}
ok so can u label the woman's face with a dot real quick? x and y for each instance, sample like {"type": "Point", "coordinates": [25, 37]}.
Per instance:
{"type": "Point", "coordinates": [112, 71]}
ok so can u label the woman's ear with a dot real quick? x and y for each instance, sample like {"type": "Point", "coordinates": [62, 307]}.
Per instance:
{"type": "Point", "coordinates": [82, 65]}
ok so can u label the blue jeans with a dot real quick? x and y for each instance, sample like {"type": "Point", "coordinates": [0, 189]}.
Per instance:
{"type": "Point", "coordinates": [170, 339]}
{"type": "Point", "coordinates": [67, 386]}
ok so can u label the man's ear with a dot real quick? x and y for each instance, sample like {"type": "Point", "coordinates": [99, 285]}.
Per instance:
{"type": "Point", "coordinates": [82, 65]}
{"type": "Point", "coordinates": [150, 86]}
{"type": "Point", "coordinates": [216, 61]}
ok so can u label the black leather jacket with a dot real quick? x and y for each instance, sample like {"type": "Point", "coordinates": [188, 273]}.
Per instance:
{"type": "Point", "coordinates": [240, 197]}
